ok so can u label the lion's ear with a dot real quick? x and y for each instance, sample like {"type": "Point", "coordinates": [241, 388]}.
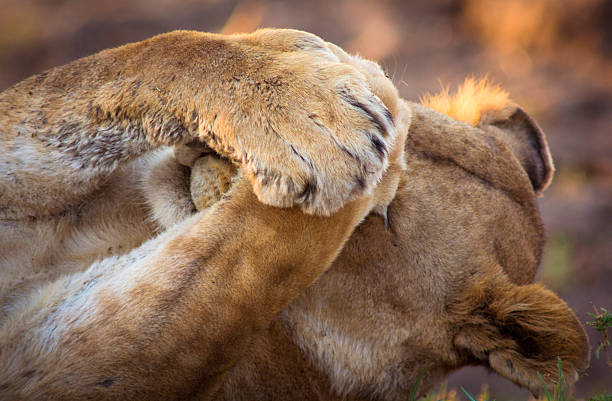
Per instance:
{"type": "Point", "coordinates": [521, 332]}
{"type": "Point", "coordinates": [526, 140]}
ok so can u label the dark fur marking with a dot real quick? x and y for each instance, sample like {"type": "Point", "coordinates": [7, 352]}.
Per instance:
{"type": "Point", "coordinates": [308, 193]}
{"type": "Point", "coordinates": [135, 87]}
{"type": "Point", "coordinates": [298, 155]}
{"type": "Point", "coordinates": [526, 343]}
{"type": "Point", "coordinates": [315, 120]}
{"type": "Point", "coordinates": [360, 181]}
{"type": "Point", "coordinates": [389, 116]}
{"type": "Point", "coordinates": [29, 374]}
{"type": "Point", "coordinates": [274, 81]}
{"type": "Point", "coordinates": [263, 176]}
{"type": "Point", "coordinates": [345, 149]}
{"type": "Point", "coordinates": [510, 365]}
{"type": "Point", "coordinates": [270, 128]}
{"type": "Point", "coordinates": [290, 186]}
{"type": "Point", "coordinates": [106, 383]}
{"type": "Point", "coordinates": [374, 118]}
{"type": "Point", "coordinates": [379, 145]}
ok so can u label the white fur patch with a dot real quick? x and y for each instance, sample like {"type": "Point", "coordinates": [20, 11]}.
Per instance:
{"type": "Point", "coordinates": [353, 365]}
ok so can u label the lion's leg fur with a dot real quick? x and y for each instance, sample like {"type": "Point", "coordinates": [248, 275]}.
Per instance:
{"type": "Point", "coordinates": [66, 130]}
{"type": "Point", "coordinates": [75, 189]}
{"type": "Point", "coordinates": [166, 189]}
{"type": "Point", "coordinates": [173, 191]}
{"type": "Point", "coordinates": [173, 314]}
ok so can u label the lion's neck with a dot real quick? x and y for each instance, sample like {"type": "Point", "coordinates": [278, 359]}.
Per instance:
{"type": "Point", "coordinates": [275, 368]}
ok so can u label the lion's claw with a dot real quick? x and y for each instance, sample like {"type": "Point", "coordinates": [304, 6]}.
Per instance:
{"type": "Point", "coordinates": [315, 136]}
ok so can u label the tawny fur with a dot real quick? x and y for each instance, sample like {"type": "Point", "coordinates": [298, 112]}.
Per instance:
{"type": "Point", "coordinates": [94, 305]}
{"type": "Point", "coordinates": [480, 103]}
{"type": "Point", "coordinates": [307, 128]}
{"type": "Point", "coordinates": [473, 98]}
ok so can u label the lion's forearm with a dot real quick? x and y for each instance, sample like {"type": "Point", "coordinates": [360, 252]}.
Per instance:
{"type": "Point", "coordinates": [308, 128]}
{"type": "Point", "coordinates": [184, 306]}
{"type": "Point", "coordinates": [123, 101]}
{"type": "Point", "coordinates": [64, 131]}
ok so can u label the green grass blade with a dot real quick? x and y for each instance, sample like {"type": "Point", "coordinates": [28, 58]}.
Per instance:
{"type": "Point", "coordinates": [416, 386]}
{"type": "Point", "coordinates": [468, 394]}
{"type": "Point", "coordinates": [549, 396]}
{"type": "Point", "coordinates": [562, 386]}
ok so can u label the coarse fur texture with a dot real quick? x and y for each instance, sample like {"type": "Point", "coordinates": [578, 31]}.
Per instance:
{"type": "Point", "coordinates": [481, 103]}
{"type": "Point", "coordinates": [439, 286]}
{"type": "Point", "coordinates": [124, 282]}
{"type": "Point", "coordinates": [307, 128]}
{"type": "Point", "coordinates": [472, 99]}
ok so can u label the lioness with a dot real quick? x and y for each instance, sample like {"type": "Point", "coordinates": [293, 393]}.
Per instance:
{"type": "Point", "coordinates": [113, 287]}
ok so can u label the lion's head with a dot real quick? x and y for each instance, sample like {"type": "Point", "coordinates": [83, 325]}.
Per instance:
{"type": "Point", "coordinates": [445, 282]}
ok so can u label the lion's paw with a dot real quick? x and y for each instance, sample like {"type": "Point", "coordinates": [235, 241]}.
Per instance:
{"type": "Point", "coordinates": [211, 177]}
{"type": "Point", "coordinates": [310, 132]}
{"type": "Point", "coordinates": [325, 158]}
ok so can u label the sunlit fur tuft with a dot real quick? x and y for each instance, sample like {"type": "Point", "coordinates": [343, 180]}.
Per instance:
{"type": "Point", "coordinates": [472, 99]}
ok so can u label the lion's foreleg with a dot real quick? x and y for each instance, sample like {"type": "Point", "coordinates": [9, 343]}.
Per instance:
{"type": "Point", "coordinates": [169, 319]}
{"type": "Point", "coordinates": [66, 130]}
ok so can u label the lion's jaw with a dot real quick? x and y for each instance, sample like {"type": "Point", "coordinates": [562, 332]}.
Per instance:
{"type": "Point", "coordinates": [353, 365]}
{"type": "Point", "coordinates": [343, 344]}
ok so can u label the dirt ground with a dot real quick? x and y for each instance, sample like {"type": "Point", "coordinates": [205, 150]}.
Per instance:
{"type": "Point", "coordinates": [554, 57]}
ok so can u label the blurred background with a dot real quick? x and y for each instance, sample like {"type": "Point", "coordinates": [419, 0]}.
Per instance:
{"type": "Point", "coordinates": [553, 56]}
